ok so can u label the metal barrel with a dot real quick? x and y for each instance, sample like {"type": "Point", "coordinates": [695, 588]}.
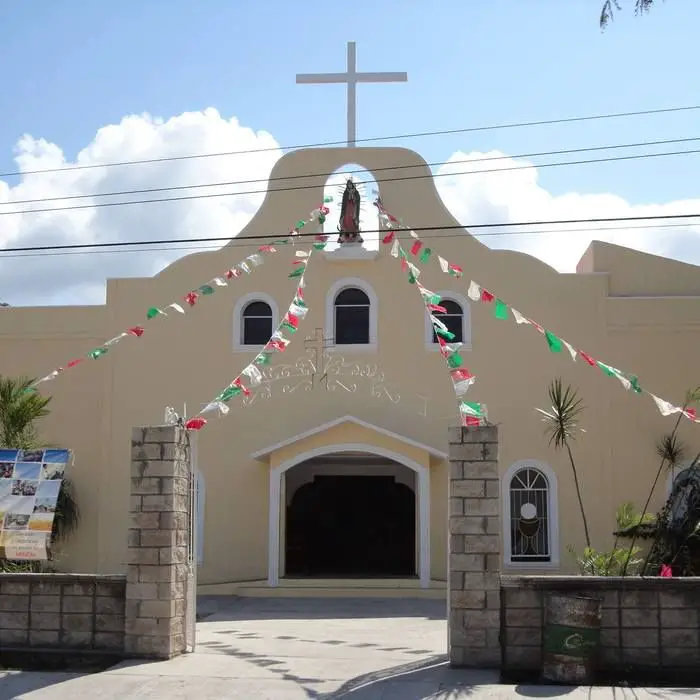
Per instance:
{"type": "Point", "coordinates": [571, 638]}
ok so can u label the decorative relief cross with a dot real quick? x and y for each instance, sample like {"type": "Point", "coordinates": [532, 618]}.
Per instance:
{"type": "Point", "coordinates": [351, 78]}
{"type": "Point", "coordinates": [318, 345]}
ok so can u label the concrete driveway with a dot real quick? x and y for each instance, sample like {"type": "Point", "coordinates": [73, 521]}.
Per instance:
{"type": "Point", "coordinates": [294, 649]}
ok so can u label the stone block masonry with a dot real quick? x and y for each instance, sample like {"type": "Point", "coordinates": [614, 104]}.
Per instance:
{"type": "Point", "coordinates": [474, 551]}
{"type": "Point", "coordinates": [70, 612]}
{"type": "Point", "coordinates": [157, 546]}
{"type": "Point", "coordinates": [650, 626]}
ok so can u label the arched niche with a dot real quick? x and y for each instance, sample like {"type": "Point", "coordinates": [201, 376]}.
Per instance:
{"type": "Point", "coordinates": [367, 186]}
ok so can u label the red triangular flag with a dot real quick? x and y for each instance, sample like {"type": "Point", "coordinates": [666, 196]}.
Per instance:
{"type": "Point", "coordinates": [136, 330]}
{"type": "Point", "coordinates": [195, 423]}
{"type": "Point", "coordinates": [415, 248]}
{"type": "Point", "coordinates": [486, 295]}
{"type": "Point", "coordinates": [389, 237]}
{"type": "Point", "coordinates": [587, 358]}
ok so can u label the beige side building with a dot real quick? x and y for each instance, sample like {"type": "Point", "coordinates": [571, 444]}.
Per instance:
{"type": "Point", "coordinates": [336, 468]}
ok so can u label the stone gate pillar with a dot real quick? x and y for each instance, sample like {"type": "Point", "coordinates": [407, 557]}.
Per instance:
{"type": "Point", "coordinates": [157, 554]}
{"type": "Point", "coordinates": [474, 551]}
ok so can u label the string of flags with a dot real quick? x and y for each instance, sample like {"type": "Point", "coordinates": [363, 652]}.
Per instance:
{"type": "Point", "coordinates": [251, 376]}
{"type": "Point", "coordinates": [502, 311]}
{"type": "Point", "coordinates": [471, 413]}
{"type": "Point", "coordinates": [189, 300]}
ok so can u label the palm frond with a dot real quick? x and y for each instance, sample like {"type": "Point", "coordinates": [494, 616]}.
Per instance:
{"type": "Point", "coordinates": [671, 450]}
{"type": "Point", "coordinates": [562, 419]}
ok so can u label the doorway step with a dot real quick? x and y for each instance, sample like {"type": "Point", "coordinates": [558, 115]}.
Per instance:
{"type": "Point", "coordinates": [331, 588]}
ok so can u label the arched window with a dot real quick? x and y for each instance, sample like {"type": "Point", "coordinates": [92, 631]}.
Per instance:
{"type": "Point", "coordinates": [257, 323]}
{"type": "Point", "coordinates": [530, 516]}
{"type": "Point", "coordinates": [352, 317]}
{"type": "Point", "coordinates": [456, 319]}
{"type": "Point", "coordinates": [453, 319]}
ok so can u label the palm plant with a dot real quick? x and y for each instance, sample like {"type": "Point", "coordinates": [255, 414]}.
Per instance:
{"type": "Point", "coordinates": [20, 409]}
{"type": "Point", "coordinates": [562, 424]}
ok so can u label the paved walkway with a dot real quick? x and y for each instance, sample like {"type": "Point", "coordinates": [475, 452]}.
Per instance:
{"type": "Point", "coordinates": [282, 649]}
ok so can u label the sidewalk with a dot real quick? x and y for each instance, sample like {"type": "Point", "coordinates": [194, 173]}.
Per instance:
{"type": "Point", "coordinates": [305, 649]}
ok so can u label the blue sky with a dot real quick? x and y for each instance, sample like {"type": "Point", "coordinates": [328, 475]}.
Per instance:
{"type": "Point", "coordinates": [78, 65]}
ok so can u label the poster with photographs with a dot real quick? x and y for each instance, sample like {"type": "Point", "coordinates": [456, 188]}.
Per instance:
{"type": "Point", "coordinates": [29, 485]}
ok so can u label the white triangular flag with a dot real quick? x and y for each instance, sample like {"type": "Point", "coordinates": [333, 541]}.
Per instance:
{"type": "Point", "coordinates": [254, 374]}
{"type": "Point", "coordinates": [255, 259]}
{"type": "Point", "coordinates": [519, 318]}
{"type": "Point", "coordinates": [245, 267]}
{"type": "Point", "coordinates": [302, 253]}
{"type": "Point", "coordinates": [216, 406]}
{"type": "Point", "coordinates": [395, 248]}
{"type": "Point", "coordinates": [665, 408]}
{"type": "Point", "coordinates": [218, 282]}
{"type": "Point", "coordinates": [474, 292]}
{"type": "Point", "coordinates": [116, 339]}
{"type": "Point", "coordinates": [571, 349]}
{"type": "Point", "coordinates": [177, 308]}
{"type": "Point", "coordinates": [298, 311]}
{"type": "Point", "coordinates": [444, 265]}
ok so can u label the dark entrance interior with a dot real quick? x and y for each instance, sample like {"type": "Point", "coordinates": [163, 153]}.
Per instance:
{"type": "Point", "coordinates": [351, 526]}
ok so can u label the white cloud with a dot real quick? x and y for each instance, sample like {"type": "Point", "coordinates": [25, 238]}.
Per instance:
{"type": "Point", "coordinates": [80, 278]}
{"type": "Point", "coordinates": [515, 196]}
{"type": "Point", "coordinates": [485, 198]}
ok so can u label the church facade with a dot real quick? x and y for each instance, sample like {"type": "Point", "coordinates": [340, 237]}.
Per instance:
{"type": "Point", "coordinates": [335, 466]}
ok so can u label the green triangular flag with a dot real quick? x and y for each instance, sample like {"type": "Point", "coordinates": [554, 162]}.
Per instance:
{"type": "Point", "coordinates": [319, 246]}
{"type": "Point", "coordinates": [228, 393]}
{"type": "Point", "coordinates": [298, 272]}
{"type": "Point", "coordinates": [289, 327]}
{"type": "Point", "coordinates": [471, 409]}
{"type": "Point", "coordinates": [264, 358]}
{"type": "Point", "coordinates": [327, 200]}
{"type": "Point", "coordinates": [425, 255]}
{"type": "Point", "coordinates": [433, 299]}
{"type": "Point", "coordinates": [608, 370]}
{"type": "Point", "coordinates": [321, 218]}
{"type": "Point", "coordinates": [97, 352]}
{"type": "Point", "coordinates": [300, 224]}
{"type": "Point", "coordinates": [634, 380]}
{"type": "Point", "coordinates": [206, 289]}
{"type": "Point", "coordinates": [500, 310]}
{"type": "Point", "coordinates": [553, 342]}
{"type": "Point", "coordinates": [447, 335]}
{"type": "Point", "coordinates": [152, 313]}
{"type": "Point", "coordinates": [454, 360]}
{"type": "Point", "coordinates": [411, 277]}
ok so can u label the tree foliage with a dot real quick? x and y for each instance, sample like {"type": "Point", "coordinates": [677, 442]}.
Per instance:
{"type": "Point", "coordinates": [610, 7]}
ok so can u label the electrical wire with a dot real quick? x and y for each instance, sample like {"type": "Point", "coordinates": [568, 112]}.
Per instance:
{"type": "Point", "coordinates": [457, 230]}
{"type": "Point", "coordinates": [442, 132]}
{"type": "Point", "coordinates": [174, 188]}
{"type": "Point", "coordinates": [100, 205]}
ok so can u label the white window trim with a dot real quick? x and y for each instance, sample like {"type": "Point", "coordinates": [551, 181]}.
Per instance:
{"type": "Point", "coordinates": [334, 290]}
{"type": "Point", "coordinates": [466, 321]}
{"type": "Point", "coordinates": [242, 302]}
{"type": "Point", "coordinates": [552, 520]}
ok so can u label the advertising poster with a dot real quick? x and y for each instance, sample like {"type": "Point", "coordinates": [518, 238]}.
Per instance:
{"type": "Point", "coordinates": [29, 485]}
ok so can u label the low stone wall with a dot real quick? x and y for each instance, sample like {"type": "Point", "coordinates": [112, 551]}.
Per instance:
{"type": "Point", "coordinates": [650, 626]}
{"type": "Point", "coordinates": [70, 612]}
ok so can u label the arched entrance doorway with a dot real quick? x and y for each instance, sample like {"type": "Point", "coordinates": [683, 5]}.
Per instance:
{"type": "Point", "coordinates": [367, 518]}
{"type": "Point", "coordinates": [350, 515]}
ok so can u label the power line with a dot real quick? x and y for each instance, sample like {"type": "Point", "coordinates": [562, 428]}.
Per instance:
{"type": "Point", "coordinates": [442, 132]}
{"type": "Point", "coordinates": [276, 236]}
{"type": "Point", "coordinates": [100, 205]}
{"type": "Point", "coordinates": [173, 188]}
{"type": "Point", "coordinates": [251, 243]}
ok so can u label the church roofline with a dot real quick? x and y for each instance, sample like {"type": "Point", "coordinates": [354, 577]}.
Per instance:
{"type": "Point", "coordinates": [260, 455]}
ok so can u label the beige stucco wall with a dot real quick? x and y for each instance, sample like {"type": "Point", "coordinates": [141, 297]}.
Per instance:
{"type": "Point", "coordinates": [634, 311]}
